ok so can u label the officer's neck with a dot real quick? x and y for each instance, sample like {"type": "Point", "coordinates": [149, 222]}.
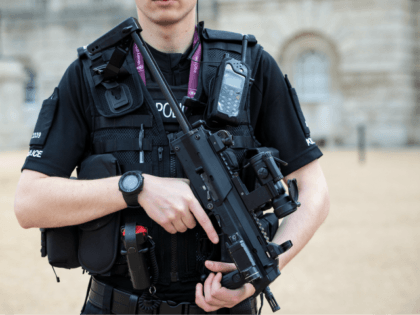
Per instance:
{"type": "Point", "coordinates": [174, 38]}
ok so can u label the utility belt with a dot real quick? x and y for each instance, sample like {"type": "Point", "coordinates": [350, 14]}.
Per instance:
{"type": "Point", "coordinates": [120, 302]}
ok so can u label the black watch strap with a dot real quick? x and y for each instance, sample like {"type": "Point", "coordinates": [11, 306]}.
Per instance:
{"type": "Point", "coordinates": [131, 200]}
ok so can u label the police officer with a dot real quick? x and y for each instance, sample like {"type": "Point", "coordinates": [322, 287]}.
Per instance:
{"type": "Point", "coordinates": [46, 198]}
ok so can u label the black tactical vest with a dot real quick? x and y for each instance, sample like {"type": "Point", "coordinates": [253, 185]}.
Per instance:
{"type": "Point", "coordinates": [121, 107]}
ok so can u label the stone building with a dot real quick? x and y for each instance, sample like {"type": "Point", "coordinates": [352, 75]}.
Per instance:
{"type": "Point", "coordinates": [353, 62]}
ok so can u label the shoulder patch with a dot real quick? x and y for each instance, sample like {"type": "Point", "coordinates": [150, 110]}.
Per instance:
{"type": "Point", "coordinates": [45, 120]}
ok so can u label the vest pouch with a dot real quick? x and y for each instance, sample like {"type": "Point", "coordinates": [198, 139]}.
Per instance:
{"type": "Point", "coordinates": [118, 96]}
{"type": "Point", "coordinates": [98, 239]}
{"type": "Point", "coordinates": [60, 244]}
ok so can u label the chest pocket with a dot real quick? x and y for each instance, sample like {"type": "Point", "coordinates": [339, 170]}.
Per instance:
{"type": "Point", "coordinates": [115, 97]}
{"type": "Point", "coordinates": [126, 137]}
{"type": "Point", "coordinates": [122, 124]}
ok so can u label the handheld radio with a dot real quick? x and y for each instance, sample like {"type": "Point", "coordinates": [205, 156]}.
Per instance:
{"type": "Point", "coordinates": [229, 91]}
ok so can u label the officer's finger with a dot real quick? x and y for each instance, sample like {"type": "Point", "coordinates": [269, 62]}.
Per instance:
{"type": "Point", "coordinates": [208, 296]}
{"type": "Point", "coordinates": [207, 287]}
{"type": "Point", "coordinates": [218, 266]}
{"type": "Point", "coordinates": [229, 297]}
{"type": "Point", "coordinates": [216, 287]}
{"type": "Point", "coordinates": [204, 220]}
{"type": "Point", "coordinates": [179, 226]}
{"type": "Point", "coordinates": [200, 301]}
{"type": "Point", "coordinates": [189, 220]}
{"type": "Point", "coordinates": [169, 227]}
{"type": "Point", "coordinates": [233, 297]}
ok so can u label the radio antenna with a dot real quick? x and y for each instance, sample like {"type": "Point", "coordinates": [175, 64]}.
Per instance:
{"type": "Point", "coordinates": [197, 13]}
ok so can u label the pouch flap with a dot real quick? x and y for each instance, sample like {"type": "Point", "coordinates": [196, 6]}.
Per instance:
{"type": "Point", "coordinates": [98, 248]}
{"type": "Point", "coordinates": [99, 166]}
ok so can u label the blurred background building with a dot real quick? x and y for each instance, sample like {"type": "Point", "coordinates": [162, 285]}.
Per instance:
{"type": "Point", "coordinates": [353, 62]}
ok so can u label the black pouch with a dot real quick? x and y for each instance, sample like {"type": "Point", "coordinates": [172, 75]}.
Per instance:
{"type": "Point", "coordinates": [60, 244]}
{"type": "Point", "coordinates": [63, 245]}
{"type": "Point", "coordinates": [98, 239]}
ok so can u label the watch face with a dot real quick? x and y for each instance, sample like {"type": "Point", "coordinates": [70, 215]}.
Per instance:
{"type": "Point", "coordinates": [130, 183]}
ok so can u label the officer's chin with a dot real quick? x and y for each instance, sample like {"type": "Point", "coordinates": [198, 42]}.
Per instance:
{"type": "Point", "coordinates": [166, 19]}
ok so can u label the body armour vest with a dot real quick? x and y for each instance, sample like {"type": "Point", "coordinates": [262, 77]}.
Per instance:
{"type": "Point", "coordinates": [123, 109]}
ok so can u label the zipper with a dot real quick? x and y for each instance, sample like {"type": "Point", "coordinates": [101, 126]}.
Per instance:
{"type": "Point", "coordinates": [160, 152]}
{"type": "Point", "coordinates": [173, 165]}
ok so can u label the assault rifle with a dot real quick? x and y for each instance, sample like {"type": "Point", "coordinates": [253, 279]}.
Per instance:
{"type": "Point", "coordinates": [204, 158]}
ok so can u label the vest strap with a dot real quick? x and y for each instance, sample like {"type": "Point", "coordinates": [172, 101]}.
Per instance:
{"type": "Point", "coordinates": [127, 121]}
{"type": "Point", "coordinates": [114, 145]}
{"type": "Point", "coordinates": [115, 63]}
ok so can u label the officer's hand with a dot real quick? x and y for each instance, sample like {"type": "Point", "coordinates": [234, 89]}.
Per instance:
{"type": "Point", "coordinates": [215, 296]}
{"type": "Point", "coordinates": [171, 204]}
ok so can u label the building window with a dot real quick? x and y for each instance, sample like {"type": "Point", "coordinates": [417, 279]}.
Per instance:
{"type": "Point", "coordinates": [30, 87]}
{"type": "Point", "coordinates": [312, 77]}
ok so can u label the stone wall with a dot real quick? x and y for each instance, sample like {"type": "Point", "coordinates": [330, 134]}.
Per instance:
{"type": "Point", "coordinates": [371, 45]}
{"type": "Point", "coordinates": [45, 38]}
{"type": "Point", "coordinates": [12, 78]}
{"type": "Point", "coordinates": [415, 134]}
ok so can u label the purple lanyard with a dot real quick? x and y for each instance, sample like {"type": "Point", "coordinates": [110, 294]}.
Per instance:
{"type": "Point", "coordinates": [194, 69]}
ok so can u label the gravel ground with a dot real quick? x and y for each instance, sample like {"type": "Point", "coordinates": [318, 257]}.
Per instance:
{"type": "Point", "coordinates": [364, 259]}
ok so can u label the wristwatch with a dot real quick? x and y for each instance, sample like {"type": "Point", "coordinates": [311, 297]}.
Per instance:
{"type": "Point", "coordinates": [131, 184]}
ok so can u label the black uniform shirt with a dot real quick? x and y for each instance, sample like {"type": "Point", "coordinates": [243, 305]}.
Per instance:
{"type": "Point", "coordinates": [275, 119]}
{"type": "Point", "coordinates": [276, 122]}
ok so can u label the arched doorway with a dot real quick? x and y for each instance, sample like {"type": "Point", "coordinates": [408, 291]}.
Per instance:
{"type": "Point", "coordinates": [311, 61]}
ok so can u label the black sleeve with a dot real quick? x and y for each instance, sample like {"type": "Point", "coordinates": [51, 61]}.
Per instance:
{"type": "Point", "coordinates": [61, 133]}
{"type": "Point", "coordinates": [279, 121]}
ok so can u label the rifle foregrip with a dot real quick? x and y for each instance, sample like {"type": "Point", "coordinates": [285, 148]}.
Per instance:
{"type": "Point", "coordinates": [233, 280]}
